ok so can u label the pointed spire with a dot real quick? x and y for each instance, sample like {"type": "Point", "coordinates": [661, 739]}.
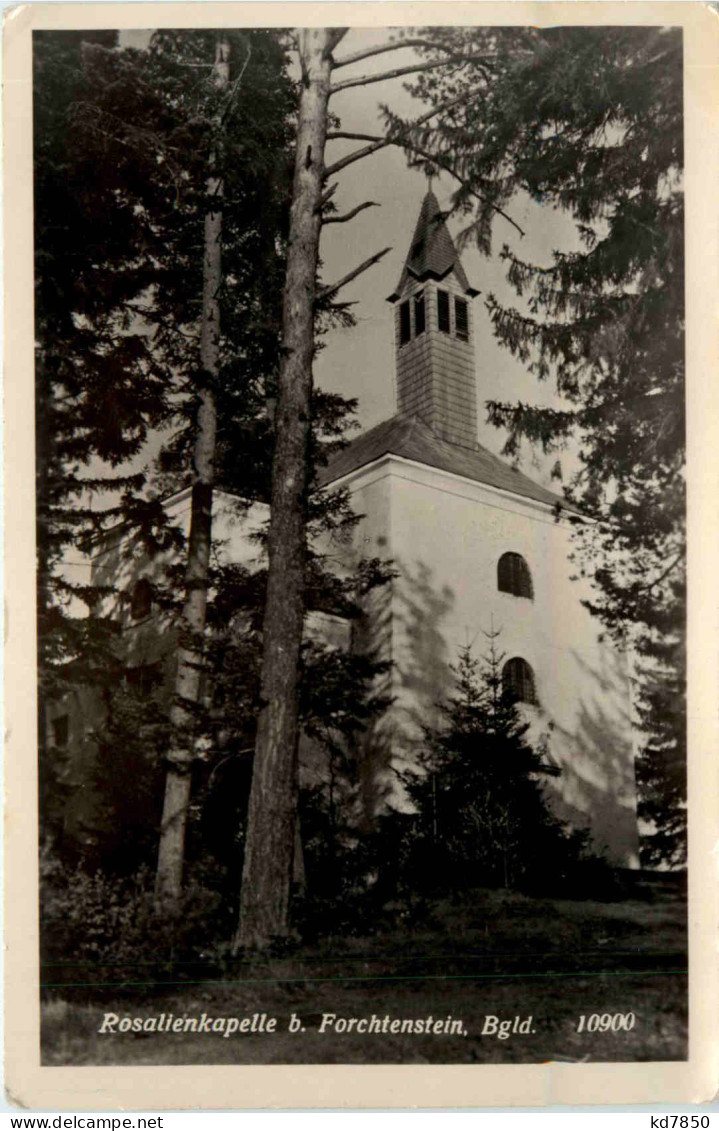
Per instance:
{"type": "Point", "coordinates": [432, 253]}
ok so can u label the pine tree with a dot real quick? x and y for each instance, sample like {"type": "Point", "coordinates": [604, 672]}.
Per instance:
{"type": "Point", "coordinates": [338, 697]}
{"type": "Point", "coordinates": [122, 140]}
{"type": "Point", "coordinates": [264, 911]}
{"type": "Point", "coordinates": [482, 817]}
{"type": "Point", "coordinates": [160, 110]}
{"type": "Point", "coordinates": [188, 676]}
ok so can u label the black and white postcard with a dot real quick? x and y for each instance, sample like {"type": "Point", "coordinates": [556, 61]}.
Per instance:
{"type": "Point", "coordinates": [360, 505]}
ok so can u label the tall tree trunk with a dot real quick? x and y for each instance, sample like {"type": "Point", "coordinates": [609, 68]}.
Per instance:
{"type": "Point", "coordinates": [168, 880]}
{"type": "Point", "coordinates": [264, 905]}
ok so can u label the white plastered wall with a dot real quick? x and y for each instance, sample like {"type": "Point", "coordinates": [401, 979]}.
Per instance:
{"type": "Point", "coordinates": [445, 536]}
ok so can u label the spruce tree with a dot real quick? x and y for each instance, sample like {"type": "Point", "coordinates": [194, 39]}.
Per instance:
{"type": "Point", "coordinates": [482, 816]}
{"type": "Point", "coordinates": [157, 118]}
{"type": "Point", "coordinates": [121, 145]}
{"type": "Point", "coordinates": [122, 139]}
{"type": "Point", "coordinates": [589, 122]}
{"type": "Point", "coordinates": [100, 389]}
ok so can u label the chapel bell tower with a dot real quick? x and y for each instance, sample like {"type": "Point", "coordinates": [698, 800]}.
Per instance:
{"type": "Point", "coordinates": [434, 333]}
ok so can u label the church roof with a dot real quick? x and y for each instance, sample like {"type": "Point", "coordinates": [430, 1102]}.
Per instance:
{"type": "Point", "coordinates": [409, 437]}
{"type": "Point", "coordinates": [432, 254]}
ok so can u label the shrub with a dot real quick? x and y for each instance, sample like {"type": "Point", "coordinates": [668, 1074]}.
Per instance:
{"type": "Point", "coordinates": [102, 931]}
{"type": "Point", "coordinates": [482, 818]}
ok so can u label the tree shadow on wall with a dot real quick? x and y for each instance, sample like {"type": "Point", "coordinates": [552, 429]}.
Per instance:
{"type": "Point", "coordinates": [423, 677]}
{"type": "Point", "coordinates": [408, 624]}
{"type": "Point", "coordinates": [372, 636]}
{"type": "Point", "coordinates": [596, 760]}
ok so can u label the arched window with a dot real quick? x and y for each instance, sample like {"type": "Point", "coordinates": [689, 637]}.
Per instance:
{"type": "Point", "coordinates": [513, 576]}
{"type": "Point", "coordinates": [518, 679]}
{"type": "Point", "coordinates": [141, 600]}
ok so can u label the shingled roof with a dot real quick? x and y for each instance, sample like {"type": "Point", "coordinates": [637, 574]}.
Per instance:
{"type": "Point", "coordinates": [432, 254]}
{"type": "Point", "coordinates": [409, 437]}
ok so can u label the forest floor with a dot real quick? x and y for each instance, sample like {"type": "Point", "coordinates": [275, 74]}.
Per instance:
{"type": "Point", "coordinates": [537, 965]}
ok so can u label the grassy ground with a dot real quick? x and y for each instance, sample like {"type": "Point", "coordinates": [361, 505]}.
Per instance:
{"type": "Point", "coordinates": [496, 955]}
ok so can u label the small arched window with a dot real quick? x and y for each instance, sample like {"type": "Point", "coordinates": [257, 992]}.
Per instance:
{"type": "Point", "coordinates": [513, 576]}
{"type": "Point", "coordinates": [518, 680]}
{"type": "Point", "coordinates": [141, 600]}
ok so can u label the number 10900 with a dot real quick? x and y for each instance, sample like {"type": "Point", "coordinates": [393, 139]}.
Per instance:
{"type": "Point", "coordinates": [605, 1022]}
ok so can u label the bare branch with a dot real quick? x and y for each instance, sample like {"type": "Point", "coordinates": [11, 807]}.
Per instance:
{"type": "Point", "coordinates": [335, 135]}
{"type": "Point", "coordinates": [397, 45]}
{"type": "Point", "coordinates": [349, 215]}
{"type": "Point", "coordinates": [327, 292]}
{"type": "Point", "coordinates": [365, 80]}
{"type": "Point", "coordinates": [410, 147]}
{"type": "Point", "coordinates": [326, 196]}
{"type": "Point", "coordinates": [381, 143]}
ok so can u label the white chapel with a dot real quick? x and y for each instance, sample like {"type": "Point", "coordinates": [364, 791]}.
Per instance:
{"type": "Point", "coordinates": [478, 546]}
